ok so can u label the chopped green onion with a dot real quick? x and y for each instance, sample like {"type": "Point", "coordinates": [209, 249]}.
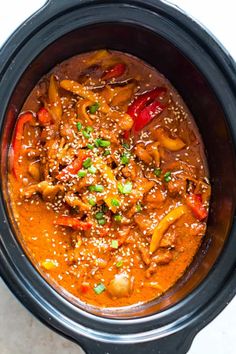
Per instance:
{"type": "Point", "coordinates": [86, 134]}
{"type": "Point", "coordinates": [89, 129]}
{"type": "Point", "coordinates": [126, 146]}
{"type": "Point", "coordinates": [125, 158]}
{"type": "Point", "coordinates": [94, 108]}
{"type": "Point", "coordinates": [96, 188]}
{"type": "Point", "coordinates": [157, 172]}
{"type": "Point", "coordinates": [118, 217]}
{"type": "Point", "coordinates": [115, 202]}
{"type": "Point", "coordinates": [102, 143]}
{"type": "Point", "coordinates": [102, 221]}
{"type": "Point", "coordinates": [87, 163]}
{"type": "Point", "coordinates": [105, 208]}
{"type": "Point", "coordinates": [119, 264]}
{"type": "Point", "coordinates": [106, 153]}
{"type": "Point", "coordinates": [92, 201]}
{"type": "Point", "coordinates": [90, 146]}
{"type": "Point", "coordinates": [79, 126]}
{"type": "Point", "coordinates": [167, 176]}
{"type": "Point", "coordinates": [125, 188]}
{"type": "Point", "coordinates": [82, 173]}
{"type": "Point", "coordinates": [114, 244]}
{"type": "Point", "coordinates": [99, 288]}
{"type": "Point", "coordinates": [105, 143]}
{"type": "Point", "coordinates": [138, 207]}
{"type": "Point", "coordinates": [92, 170]}
{"type": "Point", "coordinates": [99, 215]}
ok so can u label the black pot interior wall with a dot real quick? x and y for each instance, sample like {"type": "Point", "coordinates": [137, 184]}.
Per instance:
{"type": "Point", "coordinates": [201, 101]}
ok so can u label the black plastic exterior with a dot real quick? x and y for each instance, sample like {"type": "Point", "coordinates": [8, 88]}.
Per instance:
{"type": "Point", "coordinates": [205, 75]}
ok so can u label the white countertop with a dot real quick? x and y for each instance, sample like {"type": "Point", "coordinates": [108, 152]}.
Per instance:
{"type": "Point", "coordinates": [20, 332]}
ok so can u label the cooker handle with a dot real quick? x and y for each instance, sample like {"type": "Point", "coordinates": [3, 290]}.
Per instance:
{"type": "Point", "coordinates": [178, 343]}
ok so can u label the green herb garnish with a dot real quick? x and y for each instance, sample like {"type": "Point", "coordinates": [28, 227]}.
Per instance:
{"type": "Point", "coordinates": [79, 126]}
{"type": "Point", "coordinates": [82, 173]}
{"type": "Point", "coordinates": [139, 207]}
{"type": "Point", "coordinates": [114, 244]}
{"type": "Point", "coordinates": [118, 217]}
{"type": "Point", "coordinates": [96, 188]}
{"type": "Point", "coordinates": [92, 201]}
{"type": "Point", "coordinates": [157, 172]}
{"type": "Point", "coordinates": [126, 146]}
{"type": "Point", "coordinates": [87, 163]}
{"type": "Point", "coordinates": [93, 109]}
{"type": "Point", "coordinates": [115, 202]}
{"type": "Point", "coordinates": [86, 134]}
{"type": "Point", "coordinates": [102, 221]}
{"type": "Point", "coordinates": [89, 129]}
{"type": "Point", "coordinates": [125, 158]}
{"type": "Point", "coordinates": [167, 176]}
{"type": "Point", "coordinates": [125, 188]}
{"type": "Point", "coordinates": [99, 288]}
{"type": "Point", "coordinates": [90, 146]}
{"type": "Point", "coordinates": [106, 153]}
{"type": "Point", "coordinates": [102, 143]}
{"type": "Point", "coordinates": [99, 215]}
{"type": "Point", "coordinates": [119, 264]}
{"type": "Point", "coordinates": [92, 170]}
{"type": "Point", "coordinates": [105, 208]}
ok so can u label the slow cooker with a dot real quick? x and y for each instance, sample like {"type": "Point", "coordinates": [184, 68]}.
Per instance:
{"type": "Point", "coordinates": [205, 76]}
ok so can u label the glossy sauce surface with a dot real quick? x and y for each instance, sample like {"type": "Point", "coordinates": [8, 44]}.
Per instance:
{"type": "Point", "coordinates": [108, 180]}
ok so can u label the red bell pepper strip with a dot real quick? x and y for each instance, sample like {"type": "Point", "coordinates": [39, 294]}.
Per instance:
{"type": "Point", "coordinates": [72, 169]}
{"type": "Point", "coordinates": [73, 222]}
{"type": "Point", "coordinates": [44, 116]}
{"type": "Point", "coordinates": [194, 202]}
{"type": "Point", "coordinates": [114, 72]}
{"type": "Point", "coordinates": [84, 288]}
{"type": "Point", "coordinates": [145, 108]}
{"type": "Point", "coordinates": [147, 114]}
{"type": "Point", "coordinates": [17, 141]}
{"type": "Point", "coordinates": [142, 101]}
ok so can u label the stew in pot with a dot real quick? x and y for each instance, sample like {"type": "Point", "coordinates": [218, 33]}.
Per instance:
{"type": "Point", "coordinates": [108, 180]}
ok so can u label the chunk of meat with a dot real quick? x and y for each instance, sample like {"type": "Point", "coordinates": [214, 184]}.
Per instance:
{"type": "Point", "coordinates": [121, 285]}
{"type": "Point", "coordinates": [162, 257]}
{"type": "Point", "coordinates": [74, 201]}
{"type": "Point", "coordinates": [155, 198]}
{"type": "Point", "coordinates": [47, 190]}
{"type": "Point", "coordinates": [153, 150]}
{"type": "Point", "coordinates": [144, 223]}
{"type": "Point", "coordinates": [67, 131]}
{"type": "Point", "coordinates": [131, 171]}
{"type": "Point", "coordinates": [49, 132]}
{"type": "Point", "coordinates": [109, 135]}
{"type": "Point", "coordinates": [146, 257]}
{"type": "Point", "coordinates": [177, 186]}
{"type": "Point", "coordinates": [168, 240]}
{"type": "Point", "coordinates": [143, 186]}
{"type": "Point", "coordinates": [142, 154]}
{"type": "Point", "coordinates": [101, 263]}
